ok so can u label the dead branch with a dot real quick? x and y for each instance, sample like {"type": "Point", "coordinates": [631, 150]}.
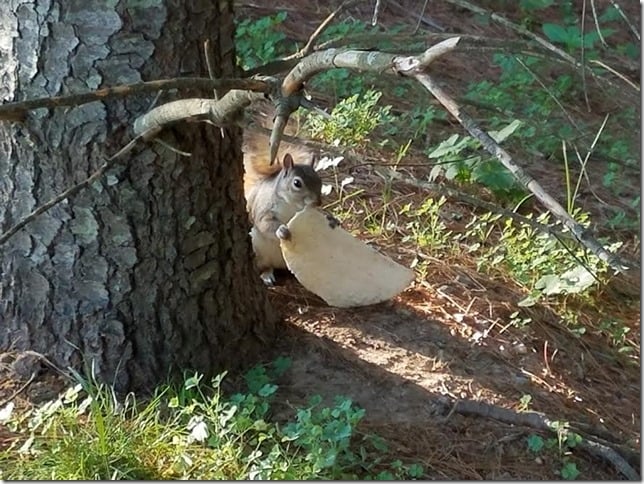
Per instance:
{"type": "Point", "coordinates": [619, 264]}
{"type": "Point", "coordinates": [360, 60]}
{"type": "Point", "coordinates": [412, 43]}
{"type": "Point", "coordinates": [541, 422]}
{"type": "Point", "coordinates": [220, 112]}
{"type": "Point", "coordinates": [374, 61]}
{"type": "Point", "coordinates": [633, 28]}
{"type": "Point", "coordinates": [524, 31]}
{"type": "Point", "coordinates": [22, 388]}
{"type": "Point", "coordinates": [16, 111]}
{"type": "Point", "coordinates": [308, 47]}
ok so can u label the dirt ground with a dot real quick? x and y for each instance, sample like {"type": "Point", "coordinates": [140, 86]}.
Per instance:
{"type": "Point", "coordinates": [446, 339]}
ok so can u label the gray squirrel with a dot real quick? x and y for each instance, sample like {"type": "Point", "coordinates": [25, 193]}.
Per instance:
{"type": "Point", "coordinates": [274, 194]}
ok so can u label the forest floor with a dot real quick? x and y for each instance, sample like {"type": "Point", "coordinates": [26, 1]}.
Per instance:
{"type": "Point", "coordinates": [448, 338]}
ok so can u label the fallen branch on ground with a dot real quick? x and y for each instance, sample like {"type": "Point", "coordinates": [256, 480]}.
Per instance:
{"type": "Point", "coordinates": [540, 422]}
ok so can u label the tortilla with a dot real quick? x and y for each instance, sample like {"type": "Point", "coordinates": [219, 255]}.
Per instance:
{"type": "Point", "coordinates": [341, 269]}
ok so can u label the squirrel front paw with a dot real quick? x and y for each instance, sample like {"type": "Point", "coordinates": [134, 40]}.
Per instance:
{"type": "Point", "coordinates": [283, 232]}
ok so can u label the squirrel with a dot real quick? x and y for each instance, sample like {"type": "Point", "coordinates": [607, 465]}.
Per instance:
{"type": "Point", "coordinates": [274, 193]}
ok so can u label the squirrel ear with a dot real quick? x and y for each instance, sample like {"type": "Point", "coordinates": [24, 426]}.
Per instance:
{"type": "Point", "coordinates": [288, 162]}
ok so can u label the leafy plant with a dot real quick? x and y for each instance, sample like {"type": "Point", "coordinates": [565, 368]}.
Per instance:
{"type": "Point", "coordinates": [570, 36]}
{"type": "Point", "coordinates": [193, 431]}
{"type": "Point", "coordinates": [565, 441]}
{"type": "Point", "coordinates": [426, 227]}
{"type": "Point", "coordinates": [259, 41]}
{"type": "Point", "coordinates": [351, 121]}
{"type": "Point", "coordinates": [459, 158]}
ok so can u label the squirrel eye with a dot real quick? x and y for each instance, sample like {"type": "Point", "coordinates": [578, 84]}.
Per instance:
{"type": "Point", "coordinates": [297, 183]}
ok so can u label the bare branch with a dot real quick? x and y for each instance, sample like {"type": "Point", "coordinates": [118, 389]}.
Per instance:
{"type": "Point", "coordinates": [634, 29]}
{"type": "Point", "coordinates": [360, 60]}
{"type": "Point", "coordinates": [584, 236]}
{"type": "Point", "coordinates": [219, 112]}
{"type": "Point", "coordinates": [55, 201]}
{"type": "Point", "coordinates": [524, 31]}
{"type": "Point", "coordinates": [308, 47]}
{"type": "Point", "coordinates": [17, 110]}
{"type": "Point", "coordinates": [599, 31]}
{"type": "Point", "coordinates": [376, 12]}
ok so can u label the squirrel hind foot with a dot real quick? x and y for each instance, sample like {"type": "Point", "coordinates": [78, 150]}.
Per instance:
{"type": "Point", "coordinates": [268, 277]}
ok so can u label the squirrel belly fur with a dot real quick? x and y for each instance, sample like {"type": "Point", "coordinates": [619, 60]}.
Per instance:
{"type": "Point", "coordinates": [274, 194]}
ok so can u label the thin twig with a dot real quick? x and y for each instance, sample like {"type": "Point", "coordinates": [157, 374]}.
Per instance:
{"type": "Point", "coordinates": [11, 397]}
{"type": "Point", "coordinates": [210, 64]}
{"type": "Point", "coordinates": [599, 31]}
{"type": "Point", "coordinates": [550, 93]}
{"type": "Point", "coordinates": [588, 153]}
{"type": "Point", "coordinates": [71, 191]}
{"type": "Point", "coordinates": [308, 47]}
{"type": "Point", "coordinates": [55, 201]}
{"type": "Point", "coordinates": [420, 17]}
{"type": "Point", "coordinates": [621, 76]}
{"type": "Point", "coordinates": [376, 12]}
{"type": "Point", "coordinates": [583, 54]}
{"type": "Point", "coordinates": [628, 22]}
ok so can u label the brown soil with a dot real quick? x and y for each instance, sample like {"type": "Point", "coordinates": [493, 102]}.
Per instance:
{"type": "Point", "coordinates": [447, 337]}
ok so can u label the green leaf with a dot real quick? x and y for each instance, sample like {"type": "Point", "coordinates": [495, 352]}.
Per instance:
{"type": "Point", "coordinates": [503, 134]}
{"type": "Point", "coordinates": [535, 443]}
{"type": "Point", "coordinates": [555, 33]}
{"type": "Point", "coordinates": [528, 301]}
{"type": "Point", "coordinates": [385, 476]}
{"type": "Point", "coordinates": [445, 147]}
{"type": "Point", "coordinates": [267, 390]}
{"type": "Point", "coordinates": [493, 175]}
{"type": "Point", "coordinates": [569, 471]}
{"type": "Point", "coordinates": [573, 281]}
{"type": "Point", "coordinates": [193, 381]}
{"type": "Point", "coordinates": [415, 471]}
{"type": "Point", "coordinates": [281, 364]}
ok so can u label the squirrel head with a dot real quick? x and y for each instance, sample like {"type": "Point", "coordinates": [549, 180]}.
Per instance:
{"type": "Point", "coordinates": [299, 183]}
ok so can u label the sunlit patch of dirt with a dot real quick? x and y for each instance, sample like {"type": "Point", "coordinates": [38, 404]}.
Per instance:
{"type": "Point", "coordinates": [449, 336]}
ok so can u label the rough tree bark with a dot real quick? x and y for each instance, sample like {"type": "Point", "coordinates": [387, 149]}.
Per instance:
{"type": "Point", "coordinates": [148, 272]}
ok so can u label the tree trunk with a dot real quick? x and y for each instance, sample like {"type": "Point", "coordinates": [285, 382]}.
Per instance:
{"type": "Point", "coordinates": [148, 272]}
